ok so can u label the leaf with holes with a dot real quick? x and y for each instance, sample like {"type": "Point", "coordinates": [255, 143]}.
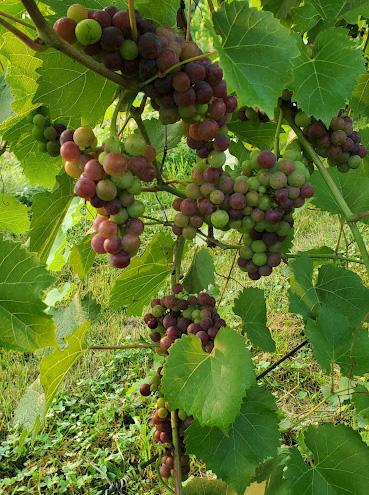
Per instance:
{"type": "Point", "coordinates": [209, 386]}
{"type": "Point", "coordinates": [13, 215]}
{"type": "Point", "coordinates": [141, 280]}
{"type": "Point", "coordinates": [24, 325]}
{"type": "Point", "coordinates": [252, 438]}
{"type": "Point", "coordinates": [340, 466]}
{"type": "Point", "coordinates": [323, 82]}
{"type": "Point", "coordinates": [251, 308]}
{"type": "Point", "coordinates": [49, 210]}
{"type": "Point", "coordinates": [255, 52]}
{"type": "Point", "coordinates": [71, 91]}
{"type": "Point", "coordinates": [201, 273]}
{"type": "Point", "coordinates": [356, 197]}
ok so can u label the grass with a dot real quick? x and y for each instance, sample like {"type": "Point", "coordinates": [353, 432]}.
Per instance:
{"type": "Point", "coordinates": [98, 430]}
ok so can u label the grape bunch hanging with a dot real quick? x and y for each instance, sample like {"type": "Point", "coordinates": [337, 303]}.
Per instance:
{"type": "Point", "coordinates": [46, 132]}
{"type": "Point", "coordinates": [110, 181]}
{"type": "Point", "coordinates": [339, 143]}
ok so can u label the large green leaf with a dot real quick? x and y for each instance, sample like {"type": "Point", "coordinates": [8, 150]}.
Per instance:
{"type": "Point", "coordinates": [201, 273]}
{"type": "Point", "coordinates": [302, 293]}
{"type": "Point", "coordinates": [144, 276]}
{"type": "Point", "coordinates": [166, 15]}
{"type": "Point", "coordinates": [31, 408]}
{"type": "Point", "coordinates": [353, 186]}
{"type": "Point", "coordinates": [259, 134]}
{"type": "Point", "coordinates": [340, 466]}
{"type": "Point", "coordinates": [209, 386]}
{"type": "Point", "coordinates": [6, 99]}
{"type": "Point", "coordinates": [280, 8]}
{"type": "Point", "coordinates": [360, 398]}
{"type": "Point", "coordinates": [255, 52]}
{"type": "Point", "coordinates": [251, 308]}
{"type": "Point", "coordinates": [82, 257]}
{"type": "Point", "coordinates": [23, 322]}
{"type": "Point", "coordinates": [21, 74]}
{"type": "Point", "coordinates": [48, 212]}
{"type": "Point", "coordinates": [201, 486]}
{"type": "Point", "coordinates": [70, 317]}
{"type": "Point", "coordinates": [39, 167]}
{"type": "Point", "coordinates": [71, 91]}
{"type": "Point", "coordinates": [360, 96]}
{"type": "Point", "coordinates": [13, 215]}
{"type": "Point", "coordinates": [330, 335]}
{"type": "Point", "coordinates": [160, 135]}
{"type": "Point", "coordinates": [323, 82]}
{"type": "Point", "coordinates": [252, 438]}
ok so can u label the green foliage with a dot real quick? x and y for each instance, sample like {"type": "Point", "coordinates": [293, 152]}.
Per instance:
{"type": "Point", "coordinates": [13, 215]}
{"type": "Point", "coordinates": [206, 487]}
{"type": "Point", "coordinates": [248, 35]}
{"type": "Point", "coordinates": [6, 99]}
{"type": "Point", "coordinates": [258, 134]}
{"type": "Point", "coordinates": [208, 386]}
{"type": "Point", "coordinates": [322, 82]}
{"type": "Point", "coordinates": [360, 96]}
{"type": "Point", "coordinates": [159, 135]}
{"type": "Point", "coordinates": [82, 257]}
{"type": "Point", "coordinates": [201, 273]}
{"type": "Point", "coordinates": [360, 399]}
{"type": "Point", "coordinates": [24, 324]}
{"type": "Point", "coordinates": [49, 210]}
{"type": "Point", "coordinates": [82, 97]}
{"type": "Point", "coordinates": [340, 467]}
{"type": "Point", "coordinates": [252, 438]}
{"type": "Point", "coordinates": [251, 308]}
{"type": "Point", "coordinates": [145, 275]}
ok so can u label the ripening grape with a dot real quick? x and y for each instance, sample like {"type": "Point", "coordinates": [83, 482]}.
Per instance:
{"type": "Point", "coordinates": [65, 28]}
{"type": "Point", "coordinates": [84, 137]}
{"type": "Point", "coordinates": [88, 32]}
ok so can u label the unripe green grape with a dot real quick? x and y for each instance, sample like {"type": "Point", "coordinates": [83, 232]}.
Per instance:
{"type": "Point", "coordinates": [264, 203]}
{"type": "Point", "coordinates": [283, 229]}
{"type": "Point", "coordinates": [217, 159]}
{"type": "Point", "coordinates": [246, 253]}
{"type": "Point", "coordinates": [253, 183]}
{"type": "Point", "coordinates": [135, 145]}
{"type": "Point", "coordinates": [88, 32]}
{"type": "Point", "coordinates": [252, 198]}
{"type": "Point", "coordinates": [42, 147]}
{"type": "Point", "coordinates": [354, 161]}
{"type": "Point", "coordinates": [297, 178]}
{"type": "Point", "coordinates": [264, 178]}
{"type": "Point", "coordinates": [260, 259]}
{"type": "Point", "coordinates": [111, 145]}
{"type": "Point", "coordinates": [136, 209]}
{"type": "Point", "coordinates": [247, 224]}
{"type": "Point", "coordinates": [158, 311]}
{"type": "Point", "coordinates": [207, 188]}
{"type": "Point", "coordinates": [258, 246]}
{"type": "Point", "coordinates": [182, 415]}
{"type": "Point", "coordinates": [216, 197]}
{"type": "Point", "coordinates": [120, 217]}
{"type": "Point", "coordinates": [155, 379]}
{"type": "Point", "coordinates": [38, 133]}
{"type": "Point", "coordinates": [189, 233]}
{"type": "Point", "coordinates": [106, 190]}
{"type": "Point", "coordinates": [161, 401]}
{"type": "Point", "coordinates": [236, 225]}
{"type": "Point", "coordinates": [260, 226]}
{"type": "Point", "coordinates": [187, 112]}
{"type": "Point", "coordinates": [84, 137]}
{"type": "Point", "coordinates": [102, 156]}
{"type": "Point", "coordinates": [192, 191]}
{"type": "Point", "coordinates": [278, 180]}
{"type": "Point", "coordinates": [247, 167]}
{"type": "Point", "coordinates": [50, 133]}
{"type": "Point", "coordinates": [202, 109]}
{"type": "Point", "coordinates": [77, 12]}
{"type": "Point", "coordinates": [196, 313]}
{"type": "Point", "coordinates": [163, 413]}
{"type": "Point", "coordinates": [53, 148]}
{"type": "Point", "coordinates": [241, 184]}
{"type": "Point", "coordinates": [302, 119]}
{"type": "Point", "coordinates": [39, 120]}
{"type": "Point", "coordinates": [187, 313]}
{"type": "Point", "coordinates": [219, 219]}
{"type": "Point", "coordinates": [129, 50]}
{"type": "Point", "coordinates": [293, 155]}
{"type": "Point", "coordinates": [136, 187]}
{"type": "Point", "coordinates": [123, 181]}
{"type": "Point", "coordinates": [302, 167]}
{"type": "Point", "coordinates": [276, 248]}
{"type": "Point", "coordinates": [181, 220]}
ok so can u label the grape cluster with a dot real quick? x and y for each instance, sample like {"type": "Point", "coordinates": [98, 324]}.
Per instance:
{"type": "Point", "coordinates": [340, 144]}
{"type": "Point", "coordinates": [47, 133]}
{"type": "Point", "coordinates": [258, 204]}
{"type": "Point", "coordinates": [110, 181]}
{"type": "Point", "coordinates": [176, 314]}
{"type": "Point", "coordinates": [248, 114]}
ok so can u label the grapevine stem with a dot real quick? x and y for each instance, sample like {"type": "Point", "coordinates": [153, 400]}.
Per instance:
{"type": "Point", "coordinates": [22, 36]}
{"type": "Point", "coordinates": [177, 453]}
{"type": "Point", "coordinates": [189, 14]}
{"type": "Point", "coordinates": [178, 254]}
{"type": "Point", "coordinates": [328, 257]}
{"type": "Point", "coordinates": [277, 133]}
{"type": "Point", "coordinates": [348, 215]}
{"type": "Point", "coordinates": [120, 347]}
{"type": "Point", "coordinates": [117, 109]}
{"type": "Point", "coordinates": [132, 18]}
{"type": "Point", "coordinates": [17, 20]}
{"type": "Point", "coordinates": [53, 40]}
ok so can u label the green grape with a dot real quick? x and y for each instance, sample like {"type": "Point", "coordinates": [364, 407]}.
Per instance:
{"type": "Point", "coordinates": [53, 148]}
{"type": "Point", "coordinates": [111, 145]}
{"type": "Point", "coordinates": [202, 109]}
{"type": "Point", "coordinates": [264, 203]}
{"type": "Point", "coordinates": [252, 198]}
{"type": "Point", "coordinates": [283, 228]}
{"type": "Point", "coordinates": [42, 147]}
{"type": "Point", "coordinates": [278, 180]}
{"type": "Point", "coordinates": [136, 209]}
{"type": "Point", "coordinates": [135, 145]}
{"type": "Point", "coordinates": [189, 233]}
{"type": "Point", "coordinates": [38, 133]}
{"type": "Point", "coordinates": [253, 183]}
{"type": "Point", "coordinates": [182, 415]}
{"type": "Point", "coordinates": [193, 191]}
{"type": "Point", "coordinates": [158, 311]}
{"type": "Point", "coordinates": [50, 133]}
{"type": "Point", "coordinates": [88, 32]}
{"type": "Point", "coordinates": [77, 12]}
{"type": "Point", "coordinates": [258, 247]}
{"type": "Point", "coordinates": [302, 119]}
{"type": "Point", "coordinates": [120, 217]}
{"type": "Point", "coordinates": [84, 137]}
{"type": "Point", "coordinates": [246, 253]}
{"type": "Point", "coordinates": [39, 120]}
{"type": "Point", "coordinates": [187, 112]}
{"type": "Point", "coordinates": [219, 219]}
{"type": "Point", "coordinates": [260, 259]}
{"type": "Point", "coordinates": [293, 155]}
{"type": "Point", "coordinates": [155, 379]}
{"type": "Point", "coordinates": [136, 187]}
{"type": "Point", "coordinates": [123, 181]}
{"type": "Point", "coordinates": [129, 50]}
{"type": "Point", "coordinates": [181, 220]}
{"type": "Point", "coordinates": [163, 413]}
{"type": "Point", "coordinates": [247, 224]}
{"type": "Point", "coordinates": [296, 179]}
{"type": "Point", "coordinates": [260, 226]}
{"type": "Point", "coordinates": [217, 159]}
{"type": "Point", "coordinates": [236, 225]}
{"type": "Point", "coordinates": [354, 161]}
{"type": "Point", "coordinates": [161, 401]}
{"type": "Point", "coordinates": [302, 167]}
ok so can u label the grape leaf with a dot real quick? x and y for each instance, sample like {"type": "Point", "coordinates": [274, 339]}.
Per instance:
{"type": "Point", "coordinates": [24, 325]}
{"type": "Point", "coordinates": [71, 91]}
{"type": "Point", "coordinates": [57, 363]}
{"type": "Point", "coordinates": [156, 132]}
{"type": "Point", "coordinates": [70, 317]}
{"type": "Point", "coordinates": [302, 294]}
{"type": "Point", "coordinates": [13, 215]}
{"type": "Point", "coordinates": [60, 8]}
{"type": "Point", "coordinates": [340, 466]}
{"type": "Point", "coordinates": [360, 399]}
{"type": "Point", "coordinates": [48, 212]}
{"type": "Point", "coordinates": [166, 15]}
{"type": "Point", "coordinates": [208, 386]}
{"type": "Point", "coordinates": [201, 273]}
{"type": "Point", "coordinates": [331, 336]}
{"type": "Point", "coordinates": [200, 486]}
{"type": "Point", "coordinates": [6, 99]}
{"type": "Point", "coordinates": [280, 8]}
{"type": "Point", "coordinates": [13, 7]}
{"type": "Point", "coordinates": [252, 438]}
{"type": "Point", "coordinates": [239, 151]}
{"type": "Point", "coordinates": [360, 96]}
{"type": "Point", "coordinates": [31, 408]}
{"type": "Point", "coordinates": [323, 82]}
{"type": "Point", "coordinates": [142, 279]}
{"type": "Point", "coordinates": [82, 257]}
{"type": "Point", "coordinates": [25, 148]}
{"type": "Point", "coordinates": [353, 186]}
{"type": "Point", "coordinates": [21, 74]}
{"type": "Point", "coordinates": [259, 134]}
{"type": "Point", "coordinates": [255, 52]}
{"type": "Point", "coordinates": [251, 308]}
